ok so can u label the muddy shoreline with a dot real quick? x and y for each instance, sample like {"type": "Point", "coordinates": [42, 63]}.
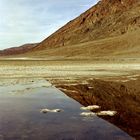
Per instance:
{"type": "Point", "coordinates": [119, 94]}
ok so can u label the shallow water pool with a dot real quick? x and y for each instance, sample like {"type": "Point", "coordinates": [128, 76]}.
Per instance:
{"type": "Point", "coordinates": [20, 119]}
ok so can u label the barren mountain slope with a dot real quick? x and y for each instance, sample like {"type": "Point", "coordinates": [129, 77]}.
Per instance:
{"type": "Point", "coordinates": [110, 28]}
{"type": "Point", "coordinates": [123, 46]}
{"type": "Point", "coordinates": [109, 18]}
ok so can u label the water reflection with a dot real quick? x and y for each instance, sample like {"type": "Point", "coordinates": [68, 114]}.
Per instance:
{"type": "Point", "coordinates": [122, 97]}
{"type": "Point", "coordinates": [20, 117]}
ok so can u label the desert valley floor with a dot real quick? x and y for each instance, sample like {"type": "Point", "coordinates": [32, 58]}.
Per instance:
{"type": "Point", "coordinates": [27, 86]}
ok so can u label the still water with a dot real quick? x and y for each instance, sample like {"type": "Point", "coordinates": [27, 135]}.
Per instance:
{"type": "Point", "coordinates": [20, 119]}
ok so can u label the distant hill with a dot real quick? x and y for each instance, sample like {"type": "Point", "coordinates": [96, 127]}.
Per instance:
{"type": "Point", "coordinates": [17, 50]}
{"type": "Point", "coordinates": [110, 28]}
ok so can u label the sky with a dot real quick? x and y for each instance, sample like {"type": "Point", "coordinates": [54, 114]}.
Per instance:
{"type": "Point", "coordinates": [31, 21]}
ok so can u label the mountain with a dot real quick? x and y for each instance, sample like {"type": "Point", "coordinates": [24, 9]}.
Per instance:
{"type": "Point", "coordinates": [17, 50]}
{"type": "Point", "coordinates": [110, 28]}
{"type": "Point", "coordinates": [106, 19]}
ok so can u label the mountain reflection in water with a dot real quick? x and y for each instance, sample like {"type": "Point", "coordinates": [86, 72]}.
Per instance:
{"type": "Point", "coordinates": [124, 98]}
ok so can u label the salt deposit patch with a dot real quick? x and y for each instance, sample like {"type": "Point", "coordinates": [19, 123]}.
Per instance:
{"type": "Point", "coordinates": [125, 81]}
{"type": "Point", "coordinates": [91, 107]}
{"type": "Point", "coordinates": [90, 87]}
{"type": "Point", "coordinates": [133, 79]}
{"type": "Point", "coordinates": [46, 110]}
{"type": "Point", "coordinates": [101, 113]}
{"type": "Point", "coordinates": [87, 114]}
{"type": "Point", "coordinates": [132, 76]}
{"type": "Point", "coordinates": [106, 113]}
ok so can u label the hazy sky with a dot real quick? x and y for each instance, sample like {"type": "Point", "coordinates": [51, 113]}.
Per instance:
{"type": "Point", "coordinates": [27, 21]}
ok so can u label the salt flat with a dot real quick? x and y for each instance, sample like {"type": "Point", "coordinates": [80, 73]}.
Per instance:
{"type": "Point", "coordinates": [63, 69]}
